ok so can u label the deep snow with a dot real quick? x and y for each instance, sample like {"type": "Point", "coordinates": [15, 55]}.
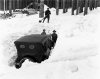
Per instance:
{"type": "Point", "coordinates": [75, 56]}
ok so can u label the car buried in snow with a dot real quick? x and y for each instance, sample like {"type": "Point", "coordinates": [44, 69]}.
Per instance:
{"type": "Point", "coordinates": [35, 47]}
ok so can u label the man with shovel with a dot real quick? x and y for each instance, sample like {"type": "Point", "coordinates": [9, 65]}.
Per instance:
{"type": "Point", "coordinates": [47, 15]}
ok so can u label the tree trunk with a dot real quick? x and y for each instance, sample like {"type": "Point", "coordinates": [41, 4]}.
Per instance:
{"type": "Point", "coordinates": [57, 7]}
{"type": "Point", "coordinates": [0, 4]}
{"type": "Point", "coordinates": [95, 4]}
{"type": "Point", "coordinates": [64, 10]}
{"type": "Point", "coordinates": [4, 6]}
{"type": "Point", "coordinates": [81, 6]}
{"type": "Point", "coordinates": [13, 5]}
{"type": "Point", "coordinates": [37, 5]}
{"type": "Point", "coordinates": [17, 4]}
{"type": "Point", "coordinates": [48, 2]}
{"type": "Point", "coordinates": [10, 7]}
{"type": "Point", "coordinates": [72, 7]}
{"type": "Point", "coordinates": [54, 5]}
{"type": "Point", "coordinates": [25, 3]}
{"type": "Point", "coordinates": [66, 5]}
{"type": "Point", "coordinates": [86, 7]}
{"type": "Point", "coordinates": [41, 13]}
{"type": "Point", "coordinates": [77, 10]}
{"type": "Point", "coordinates": [60, 4]}
{"type": "Point", "coordinates": [90, 4]}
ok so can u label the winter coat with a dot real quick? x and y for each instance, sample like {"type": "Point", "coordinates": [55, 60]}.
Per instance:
{"type": "Point", "coordinates": [47, 13]}
{"type": "Point", "coordinates": [43, 33]}
{"type": "Point", "coordinates": [54, 37]}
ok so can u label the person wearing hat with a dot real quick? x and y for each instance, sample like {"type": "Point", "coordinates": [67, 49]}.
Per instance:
{"type": "Point", "coordinates": [54, 37]}
{"type": "Point", "coordinates": [43, 33]}
{"type": "Point", "coordinates": [47, 15]}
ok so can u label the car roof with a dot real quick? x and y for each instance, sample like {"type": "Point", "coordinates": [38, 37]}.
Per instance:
{"type": "Point", "coordinates": [33, 38]}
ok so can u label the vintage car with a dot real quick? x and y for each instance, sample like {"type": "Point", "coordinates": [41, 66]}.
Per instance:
{"type": "Point", "coordinates": [35, 47]}
{"type": "Point", "coordinates": [29, 11]}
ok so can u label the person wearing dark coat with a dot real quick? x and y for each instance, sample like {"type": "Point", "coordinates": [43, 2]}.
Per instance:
{"type": "Point", "coordinates": [47, 15]}
{"type": "Point", "coordinates": [54, 38]}
{"type": "Point", "coordinates": [43, 33]}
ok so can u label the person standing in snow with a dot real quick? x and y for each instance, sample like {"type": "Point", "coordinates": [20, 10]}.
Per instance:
{"type": "Point", "coordinates": [54, 37]}
{"type": "Point", "coordinates": [43, 33]}
{"type": "Point", "coordinates": [47, 15]}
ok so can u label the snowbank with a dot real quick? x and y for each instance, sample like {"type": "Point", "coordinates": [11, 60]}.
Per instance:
{"type": "Point", "coordinates": [75, 56]}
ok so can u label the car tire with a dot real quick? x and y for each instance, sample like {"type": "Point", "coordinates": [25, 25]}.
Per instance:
{"type": "Point", "coordinates": [17, 65]}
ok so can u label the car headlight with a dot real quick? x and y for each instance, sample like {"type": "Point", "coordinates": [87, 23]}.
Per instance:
{"type": "Point", "coordinates": [31, 46]}
{"type": "Point", "coordinates": [22, 46]}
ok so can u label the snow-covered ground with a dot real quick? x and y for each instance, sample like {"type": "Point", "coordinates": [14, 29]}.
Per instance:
{"type": "Point", "coordinates": [75, 56]}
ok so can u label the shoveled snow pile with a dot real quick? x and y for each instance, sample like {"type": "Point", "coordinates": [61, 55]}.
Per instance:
{"type": "Point", "coordinates": [75, 55]}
